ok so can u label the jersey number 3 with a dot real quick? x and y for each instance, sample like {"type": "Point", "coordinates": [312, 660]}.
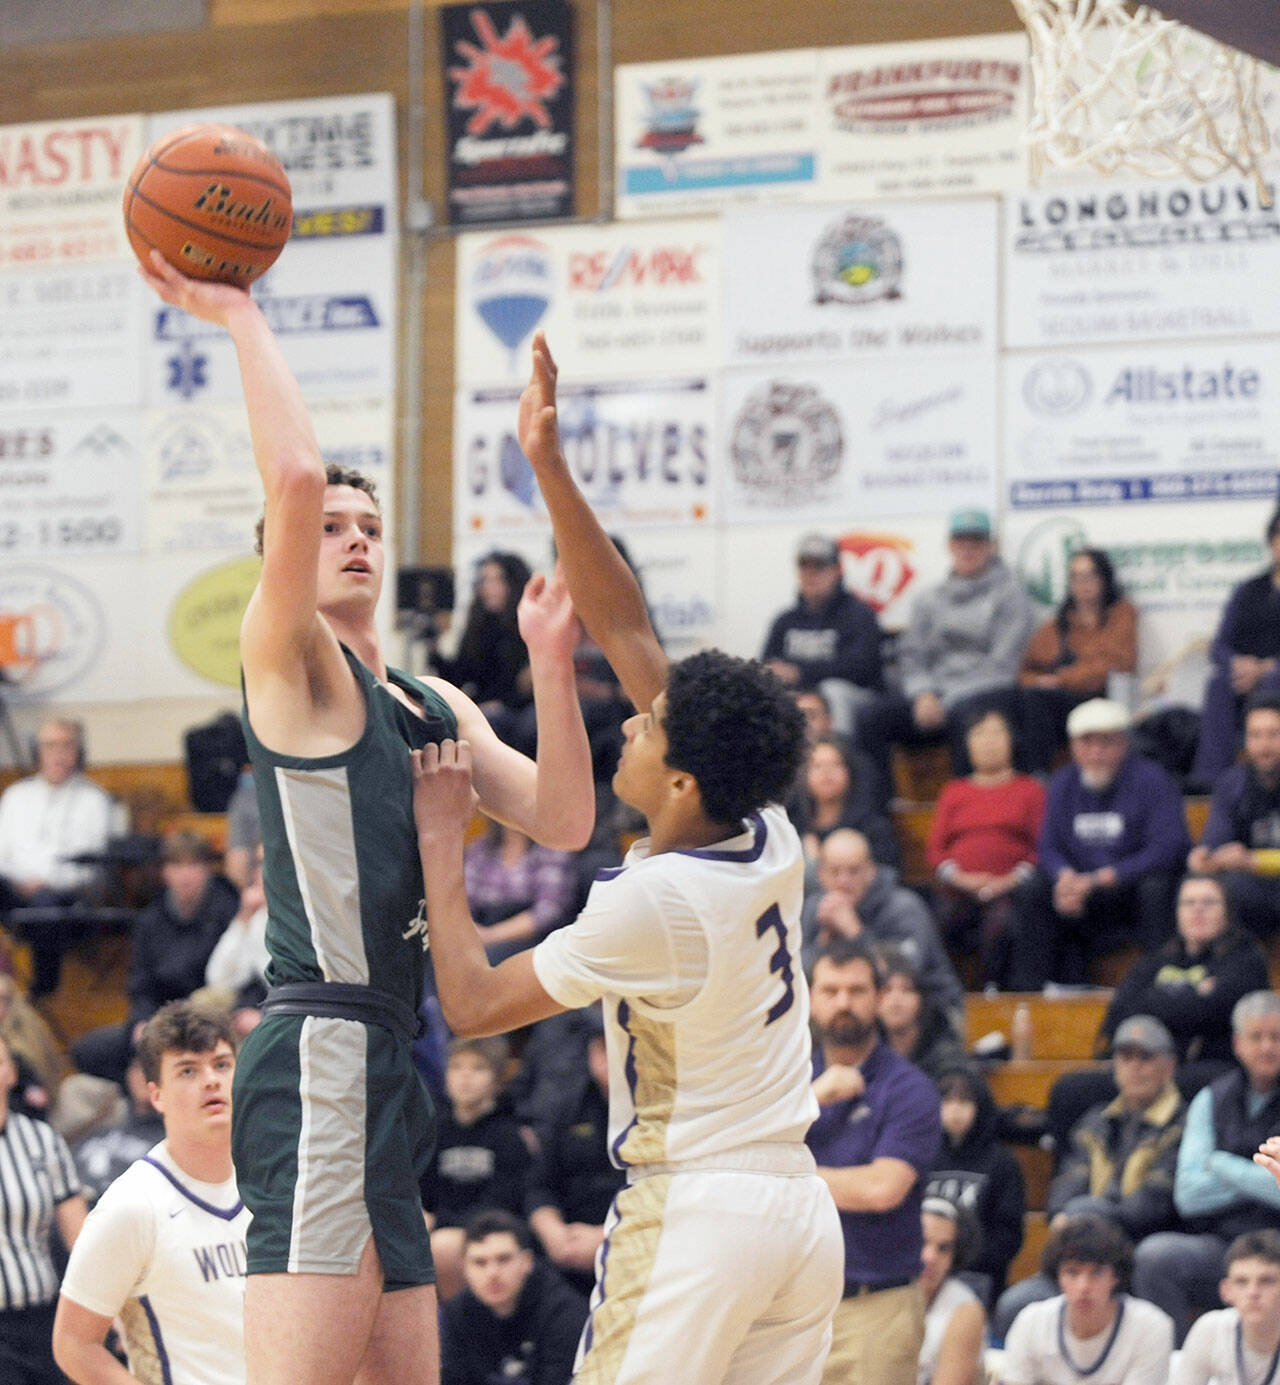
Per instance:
{"type": "Point", "coordinates": [779, 960]}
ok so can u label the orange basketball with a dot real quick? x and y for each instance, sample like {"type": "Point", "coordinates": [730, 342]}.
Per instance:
{"type": "Point", "coordinates": [213, 200]}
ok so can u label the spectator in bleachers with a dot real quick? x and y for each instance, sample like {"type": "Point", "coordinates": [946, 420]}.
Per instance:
{"type": "Point", "coordinates": [817, 714]}
{"type": "Point", "coordinates": [961, 651]}
{"type": "Point", "coordinates": [517, 1320]}
{"type": "Point", "coordinates": [1191, 985]}
{"type": "Point", "coordinates": [1242, 1341]}
{"type": "Point", "coordinates": [46, 820]}
{"type": "Point", "coordinates": [237, 966]}
{"type": "Point", "coordinates": [1219, 1191]}
{"type": "Point", "coordinates": [104, 1154]}
{"type": "Point", "coordinates": [492, 664]}
{"type": "Point", "coordinates": [35, 1051]}
{"type": "Point", "coordinates": [1246, 659]}
{"type": "Point", "coordinates": [173, 938]}
{"type": "Point", "coordinates": [1093, 634]}
{"type": "Point", "coordinates": [480, 1162]}
{"type": "Point", "coordinates": [573, 1182]}
{"type": "Point", "coordinates": [518, 890]}
{"type": "Point", "coordinates": [839, 789]}
{"type": "Point", "coordinates": [913, 1025]}
{"type": "Point", "coordinates": [1092, 1328]}
{"type": "Point", "coordinates": [244, 830]}
{"type": "Point", "coordinates": [1111, 850]}
{"type": "Point", "coordinates": [829, 640]}
{"type": "Point", "coordinates": [553, 1061]}
{"type": "Point", "coordinates": [982, 845]}
{"type": "Point", "coordinates": [856, 897]}
{"type": "Point", "coordinates": [1241, 841]}
{"type": "Point", "coordinates": [955, 1325]}
{"type": "Point", "coordinates": [1121, 1159]}
{"type": "Point", "coordinates": [976, 1170]}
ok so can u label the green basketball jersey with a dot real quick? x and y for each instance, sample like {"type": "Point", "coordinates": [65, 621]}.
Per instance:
{"type": "Point", "coordinates": [340, 849]}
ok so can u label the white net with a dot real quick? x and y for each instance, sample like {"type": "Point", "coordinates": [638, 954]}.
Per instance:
{"type": "Point", "coordinates": [1125, 90]}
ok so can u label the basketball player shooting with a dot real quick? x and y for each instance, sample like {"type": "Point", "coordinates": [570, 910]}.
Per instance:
{"type": "Point", "coordinates": [332, 1127]}
{"type": "Point", "coordinates": [723, 1259]}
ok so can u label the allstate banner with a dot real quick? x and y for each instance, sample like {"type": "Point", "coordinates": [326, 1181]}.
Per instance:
{"type": "Point", "coordinates": [61, 184]}
{"type": "Point", "coordinates": [641, 450]}
{"type": "Point", "coordinates": [925, 119]}
{"type": "Point", "coordinates": [859, 280]}
{"type": "Point", "coordinates": [699, 135]}
{"type": "Point", "coordinates": [621, 300]}
{"type": "Point", "coordinates": [1195, 422]}
{"type": "Point", "coordinates": [508, 80]}
{"type": "Point", "coordinates": [829, 444]}
{"type": "Point", "coordinates": [1139, 261]}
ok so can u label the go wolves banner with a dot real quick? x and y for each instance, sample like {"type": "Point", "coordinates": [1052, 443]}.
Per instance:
{"type": "Point", "coordinates": [509, 110]}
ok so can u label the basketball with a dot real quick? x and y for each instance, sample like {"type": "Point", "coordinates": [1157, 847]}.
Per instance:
{"type": "Point", "coordinates": [213, 200]}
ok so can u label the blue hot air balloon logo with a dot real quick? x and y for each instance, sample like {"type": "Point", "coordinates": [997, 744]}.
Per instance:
{"type": "Point", "coordinates": [511, 288]}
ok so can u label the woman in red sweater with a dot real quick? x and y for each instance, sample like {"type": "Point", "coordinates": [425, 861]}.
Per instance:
{"type": "Point", "coordinates": [982, 845]}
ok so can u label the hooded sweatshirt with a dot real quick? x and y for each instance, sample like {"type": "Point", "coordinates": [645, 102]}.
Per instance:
{"type": "Point", "coordinates": [965, 635]}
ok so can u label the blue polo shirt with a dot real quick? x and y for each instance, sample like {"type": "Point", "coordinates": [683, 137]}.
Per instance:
{"type": "Point", "coordinates": [897, 1117]}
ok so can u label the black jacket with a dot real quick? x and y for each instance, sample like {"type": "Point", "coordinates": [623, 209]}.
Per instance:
{"type": "Point", "coordinates": [170, 953]}
{"type": "Point", "coordinates": [475, 1168]}
{"type": "Point", "coordinates": [839, 639]}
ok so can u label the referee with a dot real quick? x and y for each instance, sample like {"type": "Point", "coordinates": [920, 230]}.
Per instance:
{"type": "Point", "coordinates": [38, 1183]}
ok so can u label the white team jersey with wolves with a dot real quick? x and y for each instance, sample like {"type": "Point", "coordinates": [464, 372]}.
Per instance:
{"type": "Point", "coordinates": [166, 1253]}
{"type": "Point", "coordinates": [697, 957]}
{"type": "Point", "coordinates": [1209, 1355]}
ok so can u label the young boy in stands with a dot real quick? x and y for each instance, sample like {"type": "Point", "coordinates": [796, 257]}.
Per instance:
{"type": "Point", "coordinates": [1242, 1341]}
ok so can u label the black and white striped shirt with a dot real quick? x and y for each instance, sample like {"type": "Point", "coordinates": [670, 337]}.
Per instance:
{"type": "Point", "coordinates": [37, 1172]}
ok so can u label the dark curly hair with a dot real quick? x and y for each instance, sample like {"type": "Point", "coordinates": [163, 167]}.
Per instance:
{"type": "Point", "coordinates": [182, 1026]}
{"type": "Point", "coordinates": [1089, 1240]}
{"type": "Point", "coordinates": [733, 726]}
{"type": "Point", "coordinates": [334, 475]}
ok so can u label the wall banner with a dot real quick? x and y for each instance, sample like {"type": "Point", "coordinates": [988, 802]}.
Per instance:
{"type": "Point", "coordinates": [508, 69]}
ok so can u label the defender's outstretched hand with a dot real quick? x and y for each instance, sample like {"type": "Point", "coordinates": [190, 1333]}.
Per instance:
{"type": "Point", "coordinates": [537, 423]}
{"type": "Point", "coordinates": [199, 297]}
{"type": "Point", "coordinates": [1268, 1156]}
{"type": "Point", "coordinates": [443, 799]}
{"type": "Point", "coordinates": [547, 621]}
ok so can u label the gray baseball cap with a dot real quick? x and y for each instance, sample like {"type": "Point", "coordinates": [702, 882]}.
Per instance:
{"type": "Point", "coordinates": [1144, 1032]}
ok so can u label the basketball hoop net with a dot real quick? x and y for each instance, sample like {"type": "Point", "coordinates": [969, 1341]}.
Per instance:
{"type": "Point", "coordinates": [1120, 90]}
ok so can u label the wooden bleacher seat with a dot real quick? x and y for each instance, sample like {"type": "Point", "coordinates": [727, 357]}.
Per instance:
{"type": "Point", "coordinates": [1026, 1082]}
{"type": "Point", "coordinates": [1035, 1232]}
{"type": "Point", "coordinates": [1037, 1169]}
{"type": "Point", "coordinates": [1062, 1026]}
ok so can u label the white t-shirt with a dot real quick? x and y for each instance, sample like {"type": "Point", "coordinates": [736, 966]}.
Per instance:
{"type": "Point", "coordinates": [1209, 1353]}
{"type": "Point", "coordinates": [1139, 1355]}
{"type": "Point", "coordinates": [166, 1254]}
{"type": "Point", "coordinates": [697, 957]}
{"type": "Point", "coordinates": [951, 1294]}
{"type": "Point", "coordinates": [42, 824]}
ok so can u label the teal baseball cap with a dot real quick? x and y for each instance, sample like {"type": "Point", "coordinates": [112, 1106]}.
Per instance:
{"type": "Point", "coordinates": [970, 524]}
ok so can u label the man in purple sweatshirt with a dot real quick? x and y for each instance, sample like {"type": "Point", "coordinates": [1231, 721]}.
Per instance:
{"type": "Point", "coordinates": [1111, 850]}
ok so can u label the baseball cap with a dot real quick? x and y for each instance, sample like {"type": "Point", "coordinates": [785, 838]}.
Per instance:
{"type": "Point", "coordinates": [1144, 1032]}
{"type": "Point", "coordinates": [817, 548]}
{"type": "Point", "coordinates": [972, 524]}
{"type": "Point", "coordinates": [1098, 716]}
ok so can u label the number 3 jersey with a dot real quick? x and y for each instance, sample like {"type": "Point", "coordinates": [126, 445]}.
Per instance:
{"type": "Point", "coordinates": [696, 955]}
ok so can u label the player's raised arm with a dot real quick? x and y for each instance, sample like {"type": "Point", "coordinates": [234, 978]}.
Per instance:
{"type": "Point", "coordinates": [282, 613]}
{"type": "Point", "coordinates": [605, 593]}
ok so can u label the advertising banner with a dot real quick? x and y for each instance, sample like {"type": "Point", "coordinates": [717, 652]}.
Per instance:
{"type": "Point", "coordinates": [71, 337]}
{"type": "Point", "coordinates": [640, 450]}
{"type": "Point", "coordinates": [1139, 262]}
{"type": "Point", "coordinates": [821, 444]}
{"type": "Point", "coordinates": [614, 301]}
{"type": "Point", "coordinates": [834, 282]}
{"type": "Point", "coordinates": [1199, 422]}
{"type": "Point", "coordinates": [508, 69]}
{"type": "Point", "coordinates": [696, 135]}
{"type": "Point", "coordinates": [924, 119]}
{"type": "Point", "coordinates": [61, 185]}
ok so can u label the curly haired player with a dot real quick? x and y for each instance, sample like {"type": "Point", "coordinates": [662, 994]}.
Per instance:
{"type": "Point", "coordinates": [722, 1259]}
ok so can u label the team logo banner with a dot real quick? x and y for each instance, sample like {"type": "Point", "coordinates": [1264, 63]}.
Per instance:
{"type": "Point", "coordinates": [508, 68]}
{"type": "Point", "coordinates": [857, 280]}
{"type": "Point", "coordinates": [613, 300]}
{"type": "Point", "coordinates": [700, 135]}
{"type": "Point", "coordinates": [339, 153]}
{"type": "Point", "coordinates": [923, 119]}
{"type": "Point", "coordinates": [1135, 262]}
{"type": "Point", "coordinates": [639, 449]}
{"type": "Point", "coordinates": [1149, 423]}
{"type": "Point", "coordinates": [805, 445]}
{"type": "Point", "coordinates": [71, 338]}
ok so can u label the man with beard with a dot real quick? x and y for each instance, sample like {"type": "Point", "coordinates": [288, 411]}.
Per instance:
{"type": "Point", "coordinates": [875, 1141]}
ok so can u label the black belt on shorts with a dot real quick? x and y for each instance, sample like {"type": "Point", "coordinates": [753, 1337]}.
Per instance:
{"type": "Point", "coordinates": [858, 1290]}
{"type": "Point", "coordinates": [342, 1000]}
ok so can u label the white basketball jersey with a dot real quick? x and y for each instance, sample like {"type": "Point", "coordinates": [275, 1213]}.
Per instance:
{"type": "Point", "coordinates": [1209, 1356]}
{"type": "Point", "coordinates": [166, 1254]}
{"type": "Point", "coordinates": [697, 957]}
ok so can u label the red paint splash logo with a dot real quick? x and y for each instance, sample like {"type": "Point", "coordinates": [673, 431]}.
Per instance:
{"type": "Point", "coordinates": [508, 78]}
{"type": "Point", "coordinates": [878, 567]}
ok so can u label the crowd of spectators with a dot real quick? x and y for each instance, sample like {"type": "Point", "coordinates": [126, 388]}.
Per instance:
{"type": "Point", "coordinates": [1054, 843]}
